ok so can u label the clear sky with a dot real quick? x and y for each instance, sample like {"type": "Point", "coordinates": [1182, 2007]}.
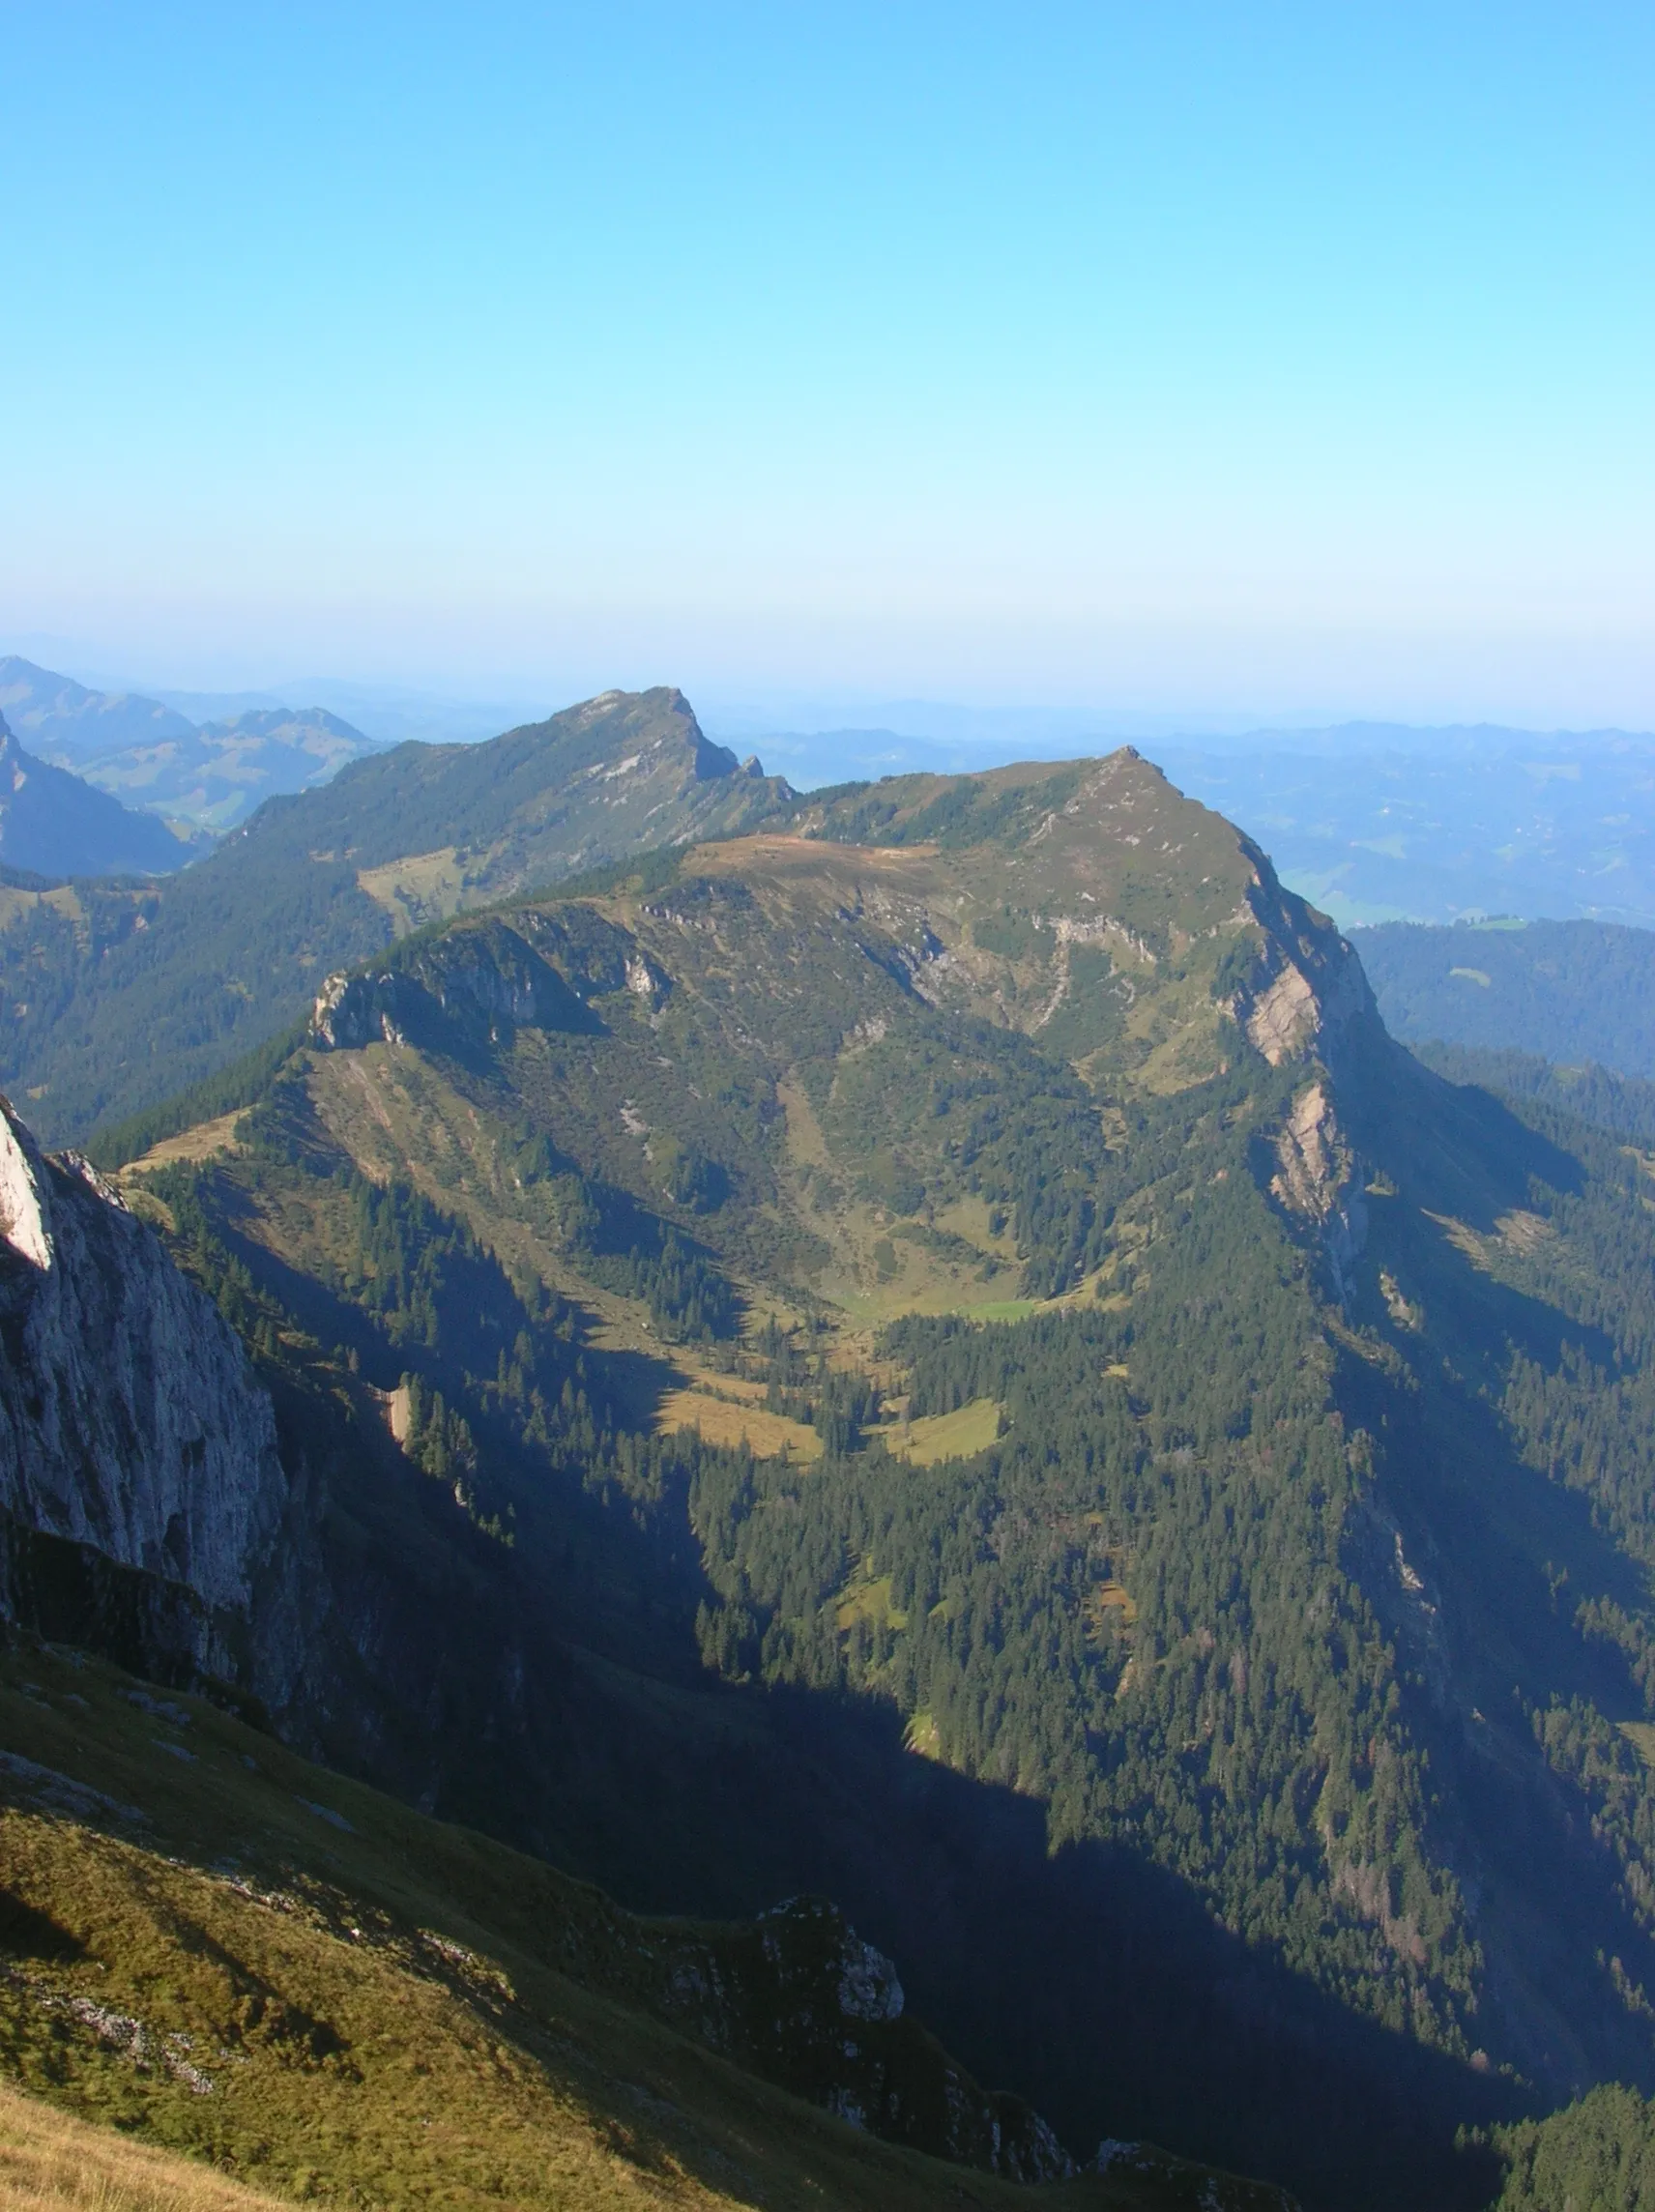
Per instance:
{"type": "Point", "coordinates": [1230, 358]}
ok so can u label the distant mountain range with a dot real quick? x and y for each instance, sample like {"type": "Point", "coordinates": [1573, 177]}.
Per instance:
{"type": "Point", "coordinates": [1376, 824]}
{"type": "Point", "coordinates": [53, 825]}
{"type": "Point", "coordinates": [210, 774]}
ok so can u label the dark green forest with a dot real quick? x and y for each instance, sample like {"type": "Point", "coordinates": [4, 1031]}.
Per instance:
{"type": "Point", "coordinates": [1623, 1104]}
{"type": "Point", "coordinates": [1568, 991]}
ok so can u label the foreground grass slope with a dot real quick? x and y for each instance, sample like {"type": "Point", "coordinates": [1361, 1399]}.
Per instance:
{"type": "Point", "coordinates": [50, 2162]}
{"type": "Point", "coordinates": [216, 1948]}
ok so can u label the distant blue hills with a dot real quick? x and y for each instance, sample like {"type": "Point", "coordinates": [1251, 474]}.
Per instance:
{"type": "Point", "coordinates": [209, 776]}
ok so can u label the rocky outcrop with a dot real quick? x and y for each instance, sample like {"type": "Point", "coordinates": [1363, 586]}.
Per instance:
{"type": "Point", "coordinates": [478, 981]}
{"type": "Point", "coordinates": [1307, 1001]}
{"type": "Point", "coordinates": [1308, 988]}
{"type": "Point", "coordinates": [1318, 1181]}
{"type": "Point", "coordinates": [800, 1998]}
{"type": "Point", "coordinates": [130, 1423]}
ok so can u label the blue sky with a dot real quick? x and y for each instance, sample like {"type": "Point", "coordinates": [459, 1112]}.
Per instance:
{"type": "Point", "coordinates": [1260, 359]}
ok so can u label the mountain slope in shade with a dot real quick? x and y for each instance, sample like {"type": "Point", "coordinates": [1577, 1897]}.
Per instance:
{"type": "Point", "coordinates": [247, 1956]}
{"type": "Point", "coordinates": [1163, 1400]}
{"type": "Point", "coordinates": [973, 1150]}
{"type": "Point", "coordinates": [937, 1351]}
{"type": "Point", "coordinates": [55, 824]}
{"type": "Point", "coordinates": [141, 1899]}
{"type": "Point", "coordinates": [105, 1013]}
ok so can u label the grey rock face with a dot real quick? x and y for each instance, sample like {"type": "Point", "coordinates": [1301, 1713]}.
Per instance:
{"type": "Point", "coordinates": [481, 979]}
{"type": "Point", "coordinates": [130, 1419]}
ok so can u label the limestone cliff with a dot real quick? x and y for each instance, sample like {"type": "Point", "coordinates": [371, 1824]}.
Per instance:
{"type": "Point", "coordinates": [1308, 988]}
{"type": "Point", "coordinates": [130, 1422]}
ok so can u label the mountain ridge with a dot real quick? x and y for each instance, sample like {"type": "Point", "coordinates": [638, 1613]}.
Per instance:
{"type": "Point", "coordinates": [132, 996]}
{"type": "Point", "coordinates": [686, 1180]}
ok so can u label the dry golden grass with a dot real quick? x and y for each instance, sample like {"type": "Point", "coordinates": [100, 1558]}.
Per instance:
{"type": "Point", "coordinates": [53, 2163]}
{"type": "Point", "coordinates": [198, 1144]}
{"type": "Point", "coordinates": [969, 1430]}
{"type": "Point", "coordinates": [722, 1422]}
{"type": "Point", "coordinates": [1641, 1734]}
{"type": "Point", "coordinates": [425, 887]}
{"type": "Point", "coordinates": [16, 905]}
{"type": "Point", "coordinates": [1108, 1598]}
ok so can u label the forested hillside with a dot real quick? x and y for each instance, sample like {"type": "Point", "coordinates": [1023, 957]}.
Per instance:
{"type": "Point", "coordinates": [1623, 1104]}
{"type": "Point", "coordinates": [1031, 1414]}
{"type": "Point", "coordinates": [1569, 991]}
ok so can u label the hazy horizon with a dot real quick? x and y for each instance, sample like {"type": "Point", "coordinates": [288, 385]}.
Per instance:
{"type": "Point", "coordinates": [961, 731]}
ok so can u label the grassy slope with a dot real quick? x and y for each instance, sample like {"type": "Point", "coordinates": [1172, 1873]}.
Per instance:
{"type": "Point", "coordinates": [50, 2162]}
{"type": "Point", "coordinates": [227, 1952]}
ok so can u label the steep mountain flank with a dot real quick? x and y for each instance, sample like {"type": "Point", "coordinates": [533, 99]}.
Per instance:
{"type": "Point", "coordinates": [127, 999]}
{"type": "Point", "coordinates": [52, 824]}
{"type": "Point", "coordinates": [130, 1427]}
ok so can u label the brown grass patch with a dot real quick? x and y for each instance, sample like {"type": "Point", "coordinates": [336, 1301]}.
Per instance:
{"type": "Point", "coordinates": [201, 1142]}
{"type": "Point", "coordinates": [722, 1421]}
{"type": "Point", "coordinates": [53, 2163]}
